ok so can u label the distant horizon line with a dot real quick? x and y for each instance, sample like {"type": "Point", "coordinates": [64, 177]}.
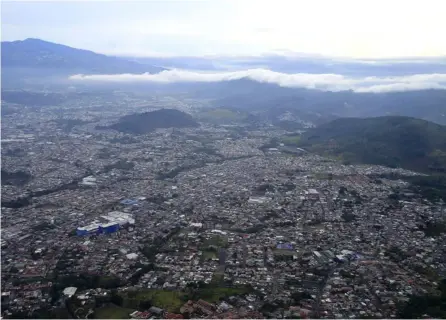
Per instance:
{"type": "Point", "coordinates": [268, 54]}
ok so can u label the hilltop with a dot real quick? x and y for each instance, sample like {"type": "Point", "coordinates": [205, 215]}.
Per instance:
{"type": "Point", "coordinates": [391, 140]}
{"type": "Point", "coordinates": [149, 121]}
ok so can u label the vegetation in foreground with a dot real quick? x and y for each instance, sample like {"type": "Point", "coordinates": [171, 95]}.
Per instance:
{"type": "Point", "coordinates": [112, 312]}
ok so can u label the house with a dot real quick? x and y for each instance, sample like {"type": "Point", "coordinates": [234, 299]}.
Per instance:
{"type": "Point", "coordinates": [155, 310]}
{"type": "Point", "coordinates": [169, 315]}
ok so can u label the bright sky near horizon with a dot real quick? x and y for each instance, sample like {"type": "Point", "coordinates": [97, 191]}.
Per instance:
{"type": "Point", "coordinates": [348, 28]}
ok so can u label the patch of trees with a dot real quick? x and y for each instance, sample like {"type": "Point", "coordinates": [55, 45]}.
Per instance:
{"type": "Point", "coordinates": [157, 199]}
{"type": "Point", "coordinates": [69, 124]}
{"type": "Point", "coordinates": [207, 150]}
{"type": "Point", "coordinates": [270, 215]}
{"type": "Point", "coordinates": [142, 270]}
{"type": "Point", "coordinates": [18, 178]}
{"type": "Point", "coordinates": [87, 281]}
{"type": "Point", "coordinates": [348, 217]}
{"type": "Point", "coordinates": [299, 296]}
{"type": "Point", "coordinates": [391, 141]}
{"type": "Point", "coordinates": [432, 305]}
{"type": "Point", "coordinates": [263, 188]}
{"type": "Point", "coordinates": [396, 254]}
{"type": "Point", "coordinates": [14, 152]}
{"type": "Point", "coordinates": [25, 201]}
{"type": "Point", "coordinates": [434, 228]}
{"type": "Point", "coordinates": [147, 122]}
{"type": "Point", "coordinates": [124, 140]}
{"type": "Point", "coordinates": [432, 188]}
{"type": "Point", "coordinates": [17, 203]}
{"type": "Point", "coordinates": [253, 229]}
{"type": "Point", "coordinates": [174, 172]}
{"type": "Point", "coordinates": [43, 226]}
{"type": "Point", "coordinates": [121, 164]}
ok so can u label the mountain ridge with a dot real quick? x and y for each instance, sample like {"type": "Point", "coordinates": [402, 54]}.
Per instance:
{"type": "Point", "coordinates": [36, 53]}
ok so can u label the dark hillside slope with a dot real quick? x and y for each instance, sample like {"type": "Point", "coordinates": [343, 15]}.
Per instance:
{"type": "Point", "coordinates": [249, 95]}
{"type": "Point", "coordinates": [392, 141]}
{"type": "Point", "coordinates": [149, 121]}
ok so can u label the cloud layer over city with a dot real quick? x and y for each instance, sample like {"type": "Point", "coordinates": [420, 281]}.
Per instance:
{"type": "Point", "coordinates": [326, 82]}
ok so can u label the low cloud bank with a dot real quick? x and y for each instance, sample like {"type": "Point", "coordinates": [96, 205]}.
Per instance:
{"type": "Point", "coordinates": [325, 82]}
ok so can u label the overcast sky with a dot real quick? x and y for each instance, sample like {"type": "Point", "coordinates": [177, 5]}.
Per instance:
{"type": "Point", "coordinates": [348, 28]}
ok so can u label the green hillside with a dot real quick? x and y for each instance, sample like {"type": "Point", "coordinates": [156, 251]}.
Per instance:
{"type": "Point", "coordinates": [392, 141]}
{"type": "Point", "coordinates": [147, 122]}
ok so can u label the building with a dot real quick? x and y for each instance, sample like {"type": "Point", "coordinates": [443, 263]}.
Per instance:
{"type": "Point", "coordinates": [169, 315]}
{"type": "Point", "coordinates": [88, 181]}
{"type": "Point", "coordinates": [140, 315]}
{"type": "Point", "coordinates": [108, 223]}
{"type": "Point", "coordinates": [132, 256]}
{"type": "Point", "coordinates": [205, 307]}
{"type": "Point", "coordinates": [285, 246]}
{"type": "Point", "coordinates": [88, 229]}
{"type": "Point", "coordinates": [120, 217]}
{"type": "Point", "coordinates": [129, 202]}
{"type": "Point", "coordinates": [313, 194]}
{"type": "Point", "coordinates": [155, 310]}
{"type": "Point", "coordinates": [110, 227]}
{"type": "Point", "coordinates": [69, 291]}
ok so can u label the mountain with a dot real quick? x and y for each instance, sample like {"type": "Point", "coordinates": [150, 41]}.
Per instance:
{"type": "Point", "coordinates": [143, 123]}
{"type": "Point", "coordinates": [391, 140]}
{"type": "Point", "coordinates": [189, 63]}
{"type": "Point", "coordinates": [249, 95]}
{"type": "Point", "coordinates": [37, 59]}
{"type": "Point", "coordinates": [301, 63]}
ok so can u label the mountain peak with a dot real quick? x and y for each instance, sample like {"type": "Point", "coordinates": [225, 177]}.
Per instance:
{"type": "Point", "coordinates": [33, 53]}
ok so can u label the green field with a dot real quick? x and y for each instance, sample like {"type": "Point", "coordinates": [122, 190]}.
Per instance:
{"type": "Point", "coordinates": [218, 277]}
{"type": "Point", "coordinates": [165, 299]}
{"type": "Point", "coordinates": [290, 140]}
{"type": "Point", "coordinates": [208, 254]}
{"type": "Point", "coordinates": [216, 241]}
{"type": "Point", "coordinates": [214, 295]}
{"type": "Point", "coordinates": [112, 312]}
{"type": "Point", "coordinates": [170, 300]}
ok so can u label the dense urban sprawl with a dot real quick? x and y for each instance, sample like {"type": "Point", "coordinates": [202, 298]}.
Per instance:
{"type": "Point", "coordinates": [205, 217]}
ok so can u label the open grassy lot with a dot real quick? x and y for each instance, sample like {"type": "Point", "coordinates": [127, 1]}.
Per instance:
{"type": "Point", "coordinates": [290, 140]}
{"type": "Point", "coordinates": [215, 241]}
{"type": "Point", "coordinates": [208, 254]}
{"type": "Point", "coordinates": [214, 294]}
{"type": "Point", "coordinates": [113, 312]}
{"type": "Point", "coordinates": [165, 299]}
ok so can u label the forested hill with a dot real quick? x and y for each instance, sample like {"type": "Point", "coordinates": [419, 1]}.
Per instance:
{"type": "Point", "coordinates": [143, 123]}
{"type": "Point", "coordinates": [392, 141]}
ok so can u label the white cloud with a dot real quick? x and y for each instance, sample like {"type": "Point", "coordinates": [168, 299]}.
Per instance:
{"type": "Point", "coordinates": [326, 82]}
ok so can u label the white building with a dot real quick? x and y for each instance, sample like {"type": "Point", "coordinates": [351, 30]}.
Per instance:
{"type": "Point", "coordinates": [69, 291]}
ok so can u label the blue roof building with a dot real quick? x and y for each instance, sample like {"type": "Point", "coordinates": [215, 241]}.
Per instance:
{"type": "Point", "coordinates": [129, 202]}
